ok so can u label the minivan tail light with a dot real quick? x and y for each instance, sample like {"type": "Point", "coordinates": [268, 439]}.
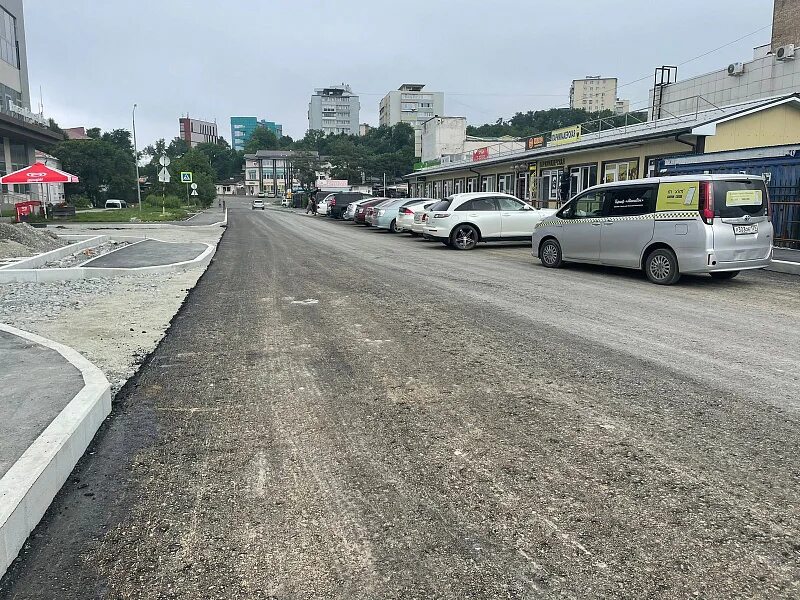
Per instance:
{"type": "Point", "coordinates": [707, 202]}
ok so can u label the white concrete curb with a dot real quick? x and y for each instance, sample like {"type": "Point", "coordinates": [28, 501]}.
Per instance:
{"type": "Point", "coordinates": [29, 486]}
{"type": "Point", "coordinates": [43, 259]}
{"type": "Point", "coordinates": [784, 266]}
{"type": "Point", "coordinates": [81, 272]}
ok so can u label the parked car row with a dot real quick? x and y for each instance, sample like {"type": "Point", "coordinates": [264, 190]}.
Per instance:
{"type": "Point", "coordinates": [714, 224]}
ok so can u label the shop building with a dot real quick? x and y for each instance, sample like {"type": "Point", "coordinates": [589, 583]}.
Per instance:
{"type": "Point", "coordinates": [572, 159]}
{"type": "Point", "coordinates": [195, 131]}
{"type": "Point", "coordinates": [270, 171]}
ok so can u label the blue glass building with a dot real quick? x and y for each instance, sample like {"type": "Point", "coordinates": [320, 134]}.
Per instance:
{"type": "Point", "coordinates": [243, 127]}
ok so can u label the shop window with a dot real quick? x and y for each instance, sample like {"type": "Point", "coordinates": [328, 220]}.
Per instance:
{"type": "Point", "coordinates": [504, 183]}
{"type": "Point", "coordinates": [487, 183]}
{"type": "Point", "coordinates": [581, 178]}
{"type": "Point", "coordinates": [551, 182]}
{"type": "Point", "coordinates": [472, 184]}
{"type": "Point", "coordinates": [621, 171]}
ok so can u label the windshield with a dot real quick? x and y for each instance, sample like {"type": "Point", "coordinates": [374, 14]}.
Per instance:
{"type": "Point", "coordinates": [734, 199]}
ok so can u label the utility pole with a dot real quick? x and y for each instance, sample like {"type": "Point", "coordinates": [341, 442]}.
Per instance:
{"type": "Point", "coordinates": [136, 162]}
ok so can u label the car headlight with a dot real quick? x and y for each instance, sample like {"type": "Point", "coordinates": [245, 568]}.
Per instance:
{"type": "Point", "coordinates": [381, 213]}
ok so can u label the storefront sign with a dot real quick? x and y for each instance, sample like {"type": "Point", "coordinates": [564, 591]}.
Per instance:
{"type": "Point", "coordinates": [535, 141]}
{"type": "Point", "coordinates": [566, 135]}
{"type": "Point", "coordinates": [480, 154]}
{"type": "Point", "coordinates": [551, 162]}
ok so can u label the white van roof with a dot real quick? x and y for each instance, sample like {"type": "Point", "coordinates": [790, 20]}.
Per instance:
{"type": "Point", "coordinates": [678, 178]}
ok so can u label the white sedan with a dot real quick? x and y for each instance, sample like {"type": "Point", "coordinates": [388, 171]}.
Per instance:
{"type": "Point", "coordinates": [322, 206]}
{"type": "Point", "coordinates": [405, 214]}
{"type": "Point", "coordinates": [462, 220]}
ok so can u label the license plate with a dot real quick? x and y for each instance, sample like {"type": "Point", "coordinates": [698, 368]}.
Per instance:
{"type": "Point", "coordinates": [745, 229]}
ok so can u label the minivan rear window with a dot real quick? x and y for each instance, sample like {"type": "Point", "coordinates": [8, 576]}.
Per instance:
{"type": "Point", "coordinates": [441, 205]}
{"type": "Point", "coordinates": [733, 199]}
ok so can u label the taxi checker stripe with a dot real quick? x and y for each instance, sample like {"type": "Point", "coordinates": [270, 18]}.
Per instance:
{"type": "Point", "coordinates": [674, 215]}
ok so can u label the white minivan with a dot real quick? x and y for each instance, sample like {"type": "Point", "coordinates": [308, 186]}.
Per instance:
{"type": "Point", "coordinates": [666, 226]}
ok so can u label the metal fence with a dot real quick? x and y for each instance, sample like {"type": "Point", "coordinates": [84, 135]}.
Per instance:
{"type": "Point", "coordinates": [785, 200]}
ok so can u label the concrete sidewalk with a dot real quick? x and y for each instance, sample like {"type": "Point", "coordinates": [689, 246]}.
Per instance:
{"type": "Point", "coordinates": [149, 253]}
{"type": "Point", "coordinates": [210, 216]}
{"type": "Point", "coordinates": [36, 383]}
{"type": "Point", "coordinates": [785, 260]}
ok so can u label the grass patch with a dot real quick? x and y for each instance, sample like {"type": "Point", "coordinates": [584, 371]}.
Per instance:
{"type": "Point", "coordinates": [124, 215]}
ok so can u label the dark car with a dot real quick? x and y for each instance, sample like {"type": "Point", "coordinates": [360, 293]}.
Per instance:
{"type": "Point", "coordinates": [338, 202]}
{"type": "Point", "coordinates": [360, 216]}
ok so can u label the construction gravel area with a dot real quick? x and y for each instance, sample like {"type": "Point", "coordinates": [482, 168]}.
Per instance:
{"type": "Point", "coordinates": [113, 322]}
{"type": "Point", "coordinates": [374, 416]}
{"type": "Point", "coordinates": [21, 240]}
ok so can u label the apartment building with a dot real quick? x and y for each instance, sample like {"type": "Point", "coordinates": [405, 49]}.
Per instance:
{"type": "Point", "coordinates": [411, 104]}
{"type": "Point", "coordinates": [334, 109]}
{"type": "Point", "coordinates": [195, 131]}
{"type": "Point", "coordinates": [243, 127]}
{"type": "Point", "coordinates": [22, 131]}
{"type": "Point", "coordinates": [594, 93]}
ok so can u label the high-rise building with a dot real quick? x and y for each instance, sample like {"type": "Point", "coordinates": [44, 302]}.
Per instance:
{"type": "Point", "coordinates": [195, 131]}
{"type": "Point", "coordinates": [333, 110]}
{"type": "Point", "coordinates": [593, 93]}
{"type": "Point", "coordinates": [22, 130]}
{"type": "Point", "coordinates": [243, 127]}
{"type": "Point", "coordinates": [413, 105]}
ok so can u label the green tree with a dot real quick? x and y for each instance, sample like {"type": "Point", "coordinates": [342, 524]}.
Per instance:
{"type": "Point", "coordinates": [203, 175]}
{"type": "Point", "coordinates": [105, 170]}
{"type": "Point", "coordinates": [53, 126]}
{"type": "Point", "coordinates": [121, 138]}
{"type": "Point", "coordinates": [225, 161]}
{"type": "Point", "coordinates": [261, 139]}
{"type": "Point", "coordinates": [93, 132]}
{"type": "Point", "coordinates": [306, 165]}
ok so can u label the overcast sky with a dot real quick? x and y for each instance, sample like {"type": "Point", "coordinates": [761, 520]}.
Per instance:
{"type": "Point", "coordinates": [216, 58]}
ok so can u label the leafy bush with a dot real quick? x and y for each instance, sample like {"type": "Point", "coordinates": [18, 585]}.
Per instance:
{"type": "Point", "coordinates": [80, 202]}
{"type": "Point", "coordinates": [169, 201]}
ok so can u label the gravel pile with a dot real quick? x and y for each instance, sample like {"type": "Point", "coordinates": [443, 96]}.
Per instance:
{"type": "Point", "coordinates": [81, 256]}
{"type": "Point", "coordinates": [20, 239]}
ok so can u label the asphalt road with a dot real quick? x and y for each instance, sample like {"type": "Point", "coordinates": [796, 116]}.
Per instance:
{"type": "Point", "coordinates": [339, 413]}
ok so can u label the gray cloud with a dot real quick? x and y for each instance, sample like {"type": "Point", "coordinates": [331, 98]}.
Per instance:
{"type": "Point", "coordinates": [214, 59]}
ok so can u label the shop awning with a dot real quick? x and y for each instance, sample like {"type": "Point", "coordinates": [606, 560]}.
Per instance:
{"type": "Point", "coordinates": [38, 173]}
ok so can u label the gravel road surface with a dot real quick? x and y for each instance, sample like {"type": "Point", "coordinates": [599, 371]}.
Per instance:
{"type": "Point", "coordinates": [341, 413]}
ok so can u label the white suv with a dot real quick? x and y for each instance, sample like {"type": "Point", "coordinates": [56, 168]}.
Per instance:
{"type": "Point", "coordinates": [463, 220]}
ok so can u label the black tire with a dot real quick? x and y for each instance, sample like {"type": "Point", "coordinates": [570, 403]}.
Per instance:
{"type": "Point", "coordinates": [661, 267]}
{"type": "Point", "coordinates": [393, 228]}
{"type": "Point", "coordinates": [463, 237]}
{"type": "Point", "coordinates": [724, 275]}
{"type": "Point", "coordinates": [550, 253]}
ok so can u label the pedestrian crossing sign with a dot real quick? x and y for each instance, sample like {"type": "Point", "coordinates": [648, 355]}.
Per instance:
{"type": "Point", "coordinates": [186, 177]}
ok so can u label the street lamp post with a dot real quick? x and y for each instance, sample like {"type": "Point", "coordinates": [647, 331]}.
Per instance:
{"type": "Point", "coordinates": [136, 162]}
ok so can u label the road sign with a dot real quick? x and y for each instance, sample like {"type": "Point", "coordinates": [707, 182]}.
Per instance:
{"type": "Point", "coordinates": [194, 186]}
{"type": "Point", "coordinates": [163, 175]}
{"type": "Point", "coordinates": [194, 192]}
{"type": "Point", "coordinates": [164, 160]}
{"type": "Point", "coordinates": [186, 177]}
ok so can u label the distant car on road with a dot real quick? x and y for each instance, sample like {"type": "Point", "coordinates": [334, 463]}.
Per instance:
{"type": "Point", "coordinates": [262, 194]}
{"type": "Point", "coordinates": [112, 203]}
{"type": "Point", "coordinates": [257, 203]}
{"type": "Point", "coordinates": [462, 220]}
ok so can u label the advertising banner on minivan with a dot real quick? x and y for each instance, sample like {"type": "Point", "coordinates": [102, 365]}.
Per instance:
{"type": "Point", "coordinates": [681, 195]}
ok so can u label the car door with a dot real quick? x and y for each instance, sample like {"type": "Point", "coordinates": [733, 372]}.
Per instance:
{"type": "Point", "coordinates": [485, 213]}
{"type": "Point", "coordinates": [518, 220]}
{"type": "Point", "coordinates": [629, 224]}
{"type": "Point", "coordinates": [581, 224]}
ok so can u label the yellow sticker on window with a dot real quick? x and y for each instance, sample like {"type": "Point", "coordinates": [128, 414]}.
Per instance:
{"type": "Point", "coordinates": [744, 198]}
{"type": "Point", "coordinates": [682, 195]}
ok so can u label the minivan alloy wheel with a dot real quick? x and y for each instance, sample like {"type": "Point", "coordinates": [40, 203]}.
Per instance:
{"type": "Point", "coordinates": [661, 267]}
{"type": "Point", "coordinates": [551, 254]}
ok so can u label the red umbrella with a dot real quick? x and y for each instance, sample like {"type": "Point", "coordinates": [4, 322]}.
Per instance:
{"type": "Point", "coordinates": [38, 173]}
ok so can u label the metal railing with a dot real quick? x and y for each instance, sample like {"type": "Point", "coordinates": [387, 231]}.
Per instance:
{"type": "Point", "coordinates": [596, 129]}
{"type": "Point", "coordinates": [785, 202]}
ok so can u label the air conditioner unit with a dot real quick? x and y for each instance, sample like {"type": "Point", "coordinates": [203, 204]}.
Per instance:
{"type": "Point", "coordinates": [785, 52]}
{"type": "Point", "coordinates": [735, 69]}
